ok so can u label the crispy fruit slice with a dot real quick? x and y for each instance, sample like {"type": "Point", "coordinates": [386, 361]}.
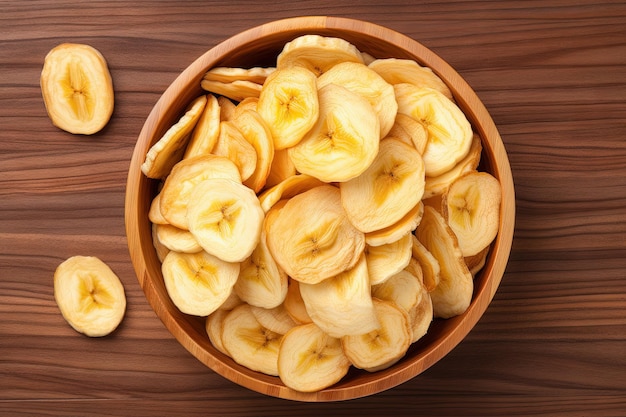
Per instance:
{"type": "Point", "coordinates": [421, 316]}
{"type": "Point", "coordinates": [232, 144]}
{"type": "Point", "coordinates": [249, 103]}
{"type": "Point", "coordinates": [288, 103]}
{"type": "Point", "coordinates": [275, 319]}
{"type": "Point", "coordinates": [294, 304]}
{"type": "Point", "coordinates": [449, 131]}
{"type": "Point", "coordinates": [184, 176]}
{"type": "Point", "coordinates": [256, 132]}
{"type": "Point", "coordinates": [428, 263]}
{"type": "Point", "coordinates": [435, 186]}
{"type": "Point", "coordinates": [154, 213]}
{"type": "Point", "coordinates": [213, 327]}
{"type": "Point", "coordinates": [391, 186]}
{"type": "Point", "coordinates": [359, 79]}
{"type": "Point", "coordinates": [226, 218]}
{"type": "Point", "coordinates": [261, 282]}
{"type": "Point", "coordinates": [249, 343]}
{"type": "Point", "coordinates": [317, 53]}
{"type": "Point", "coordinates": [289, 187]}
{"type": "Point", "coordinates": [205, 133]}
{"type": "Point", "coordinates": [403, 288]}
{"type": "Point", "coordinates": [476, 262]}
{"type": "Point", "coordinates": [227, 108]}
{"type": "Point", "coordinates": [472, 210]}
{"type": "Point", "coordinates": [344, 140]}
{"type": "Point", "coordinates": [198, 283]}
{"type": "Point", "coordinates": [77, 88]}
{"type": "Point", "coordinates": [380, 348]}
{"type": "Point", "coordinates": [90, 296]}
{"type": "Point", "coordinates": [398, 71]}
{"type": "Point", "coordinates": [387, 260]}
{"type": "Point", "coordinates": [310, 360]}
{"type": "Point", "coordinates": [281, 169]}
{"type": "Point", "coordinates": [400, 228]}
{"type": "Point", "coordinates": [312, 238]}
{"type": "Point", "coordinates": [161, 249]}
{"type": "Point", "coordinates": [342, 305]}
{"type": "Point", "coordinates": [410, 131]}
{"type": "Point", "coordinates": [453, 294]}
{"type": "Point", "coordinates": [236, 90]}
{"type": "Point", "coordinates": [168, 150]}
{"type": "Point", "coordinates": [176, 239]}
{"type": "Point", "coordinates": [229, 74]}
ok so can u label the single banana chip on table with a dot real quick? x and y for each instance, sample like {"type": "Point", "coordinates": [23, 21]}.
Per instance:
{"type": "Point", "coordinates": [343, 142]}
{"type": "Point", "coordinates": [453, 294]}
{"type": "Point", "coordinates": [342, 305]}
{"type": "Point", "coordinates": [310, 360]}
{"type": "Point", "coordinates": [176, 239]}
{"type": "Point", "coordinates": [317, 53]}
{"type": "Point", "coordinates": [226, 218]}
{"type": "Point", "coordinates": [77, 88]}
{"type": "Point", "coordinates": [472, 210]}
{"type": "Point", "coordinates": [232, 144]}
{"type": "Point", "coordinates": [170, 148]}
{"type": "Point", "coordinates": [198, 283]}
{"type": "Point", "coordinates": [312, 239]}
{"type": "Point", "coordinates": [449, 131]}
{"type": "Point", "coordinates": [389, 189]}
{"type": "Point", "coordinates": [399, 71]}
{"type": "Point", "coordinates": [289, 105]}
{"type": "Point", "coordinates": [185, 175]}
{"type": "Point", "coordinates": [386, 260]}
{"type": "Point", "coordinates": [359, 79]}
{"type": "Point", "coordinates": [380, 348]}
{"type": "Point", "coordinates": [248, 342]}
{"type": "Point", "coordinates": [400, 228]}
{"type": "Point", "coordinates": [206, 132]}
{"type": "Point", "coordinates": [90, 296]}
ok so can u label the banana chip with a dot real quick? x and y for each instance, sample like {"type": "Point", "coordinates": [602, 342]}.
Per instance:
{"type": "Point", "coordinates": [399, 71]}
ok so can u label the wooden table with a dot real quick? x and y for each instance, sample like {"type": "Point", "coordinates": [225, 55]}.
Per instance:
{"type": "Point", "coordinates": [553, 341]}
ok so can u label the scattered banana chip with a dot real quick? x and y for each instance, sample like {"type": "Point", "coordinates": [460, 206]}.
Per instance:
{"type": "Point", "coordinates": [325, 211]}
{"type": "Point", "coordinates": [77, 88]}
{"type": "Point", "coordinates": [90, 296]}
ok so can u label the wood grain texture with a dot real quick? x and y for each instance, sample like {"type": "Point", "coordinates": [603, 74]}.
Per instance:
{"type": "Point", "coordinates": [552, 342]}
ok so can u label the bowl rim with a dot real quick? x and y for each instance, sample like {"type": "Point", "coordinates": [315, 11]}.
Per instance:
{"type": "Point", "coordinates": [187, 82]}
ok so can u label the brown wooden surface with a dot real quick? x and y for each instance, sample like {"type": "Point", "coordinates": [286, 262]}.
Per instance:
{"type": "Point", "coordinates": [553, 341]}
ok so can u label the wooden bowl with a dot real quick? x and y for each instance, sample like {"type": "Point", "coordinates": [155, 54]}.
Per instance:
{"type": "Point", "coordinates": [259, 46]}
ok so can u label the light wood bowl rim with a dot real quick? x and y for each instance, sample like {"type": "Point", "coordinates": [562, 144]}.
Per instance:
{"type": "Point", "coordinates": [139, 191]}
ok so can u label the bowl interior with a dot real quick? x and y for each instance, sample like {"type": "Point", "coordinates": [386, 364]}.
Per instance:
{"type": "Point", "coordinates": [259, 47]}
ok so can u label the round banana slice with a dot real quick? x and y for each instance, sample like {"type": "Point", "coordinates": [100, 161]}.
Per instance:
{"type": "Point", "coordinates": [256, 132]}
{"type": "Point", "coordinates": [403, 289]}
{"type": "Point", "coordinates": [232, 144]}
{"type": "Point", "coordinates": [435, 186]}
{"type": "Point", "coordinates": [312, 239]}
{"type": "Point", "coordinates": [213, 327]}
{"type": "Point", "coordinates": [343, 142]}
{"type": "Point", "coordinates": [205, 133]}
{"type": "Point", "coordinates": [472, 210]}
{"type": "Point", "coordinates": [409, 131]}
{"type": "Point", "coordinates": [431, 271]}
{"type": "Point", "coordinates": [360, 79]}
{"type": "Point", "coordinates": [249, 343]}
{"type": "Point", "coordinates": [275, 319]}
{"type": "Point", "coordinates": [176, 239]}
{"type": "Point", "coordinates": [389, 189]}
{"type": "Point", "coordinates": [288, 188]}
{"type": "Point", "coordinates": [249, 103]}
{"type": "Point", "coordinates": [317, 53]}
{"type": "Point", "coordinates": [170, 149]}
{"type": "Point", "coordinates": [399, 71]}
{"type": "Point", "coordinates": [77, 88]}
{"type": "Point", "coordinates": [198, 283]}
{"type": "Point", "coordinates": [229, 74]}
{"type": "Point", "coordinates": [453, 294]}
{"type": "Point", "coordinates": [90, 296]}
{"type": "Point", "coordinates": [384, 261]}
{"type": "Point", "coordinates": [310, 360]}
{"type": "Point", "coordinates": [380, 348]}
{"type": "Point", "coordinates": [261, 282]}
{"type": "Point", "coordinates": [226, 218]}
{"type": "Point", "coordinates": [294, 304]}
{"type": "Point", "coordinates": [288, 103]}
{"type": "Point", "coordinates": [237, 90]}
{"type": "Point", "coordinates": [449, 131]}
{"type": "Point", "coordinates": [342, 305]}
{"type": "Point", "coordinates": [394, 232]}
{"type": "Point", "coordinates": [185, 175]}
